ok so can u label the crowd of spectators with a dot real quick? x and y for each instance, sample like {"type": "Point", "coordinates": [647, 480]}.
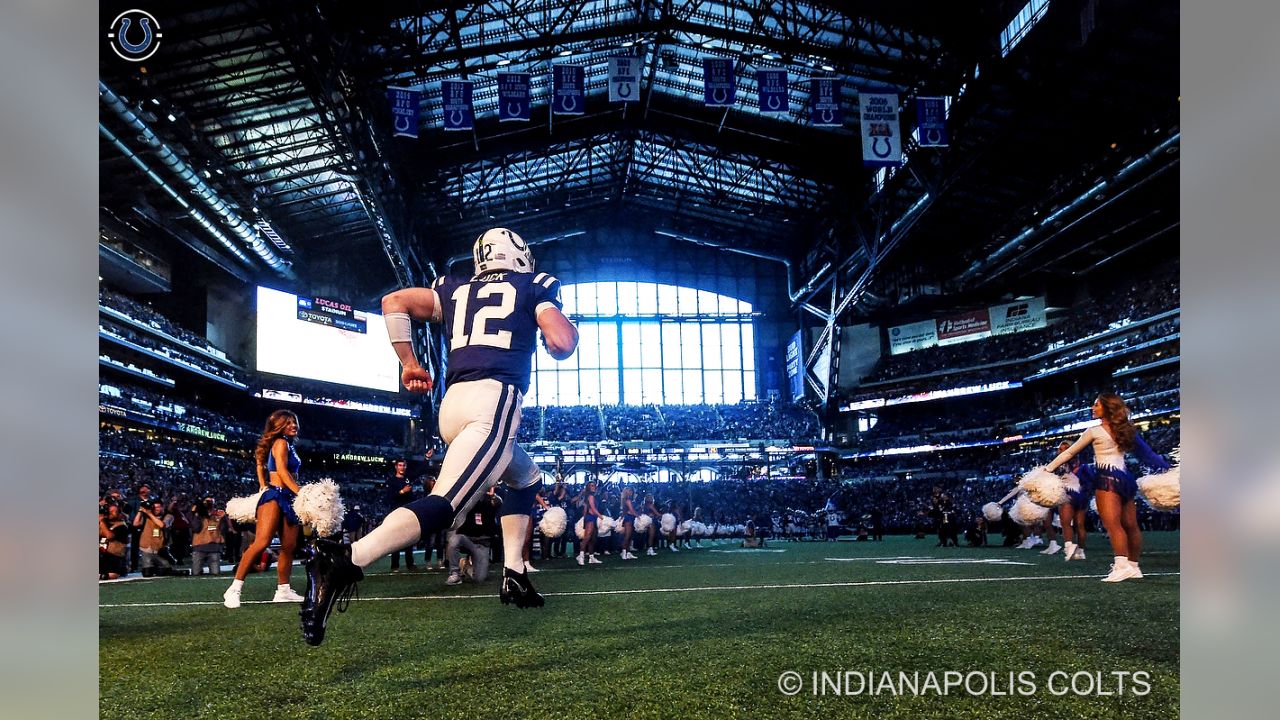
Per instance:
{"type": "Point", "coordinates": [1152, 295]}
{"type": "Point", "coordinates": [163, 407]}
{"type": "Point", "coordinates": [173, 352]}
{"type": "Point", "coordinates": [765, 420]}
{"type": "Point", "coordinates": [147, 315]}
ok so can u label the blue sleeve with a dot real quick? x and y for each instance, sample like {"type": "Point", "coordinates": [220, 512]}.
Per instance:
{"type": "Point", "coordinates": [546, 289]}
{"type": "Point", "coordinates": [1147, 456]}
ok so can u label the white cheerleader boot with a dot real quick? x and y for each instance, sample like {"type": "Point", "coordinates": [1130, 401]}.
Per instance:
{"type": "Point", "coordinates": [1068, 551]}
{"type": "Point", "coordinates": [1137, 572]}
{"type": "Point", "coordinates": [1121, 570]}
{"type": "Point", "coordinates": [1053, 548]}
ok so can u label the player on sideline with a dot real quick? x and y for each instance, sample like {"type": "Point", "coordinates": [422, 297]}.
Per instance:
{"type": "Point", "coordinates": [491, 322]}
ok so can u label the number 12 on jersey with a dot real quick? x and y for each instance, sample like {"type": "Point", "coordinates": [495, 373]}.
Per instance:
{"type": "Point", "coordinates": [480, 334]}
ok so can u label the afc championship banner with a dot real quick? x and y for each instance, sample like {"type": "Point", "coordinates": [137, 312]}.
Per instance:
{"type": "Point", "coordinates": [513, 97]}
{"type": "Point", "coordinates": [456, 98]}
{"type": "Point", "coordinates": [624, 79]}
{"type": "Point", "coordinates": [1017, 316]}
{"type": "Point", "coordinates": [931, 121]}
{"type": "Point", "coordinates": [881, 133]}
{"type": "Point", "coordinates": [404, 111]}
{"type": "Point", "coordinates": [568, 90]}
{"type": "Point", "coordinates": [772, 85]}
{"type": "Point", "coordinates": [824, 102]}
{"type": "Point", "coordinates": [718, 88]}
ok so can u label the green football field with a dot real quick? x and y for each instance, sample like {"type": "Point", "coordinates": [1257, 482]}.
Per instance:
{"type": "Point", "coordinates": [701, 634]}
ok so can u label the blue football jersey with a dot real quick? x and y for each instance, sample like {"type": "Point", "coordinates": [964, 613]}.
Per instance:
{"type": "Point", "coordinates": [491, 324]}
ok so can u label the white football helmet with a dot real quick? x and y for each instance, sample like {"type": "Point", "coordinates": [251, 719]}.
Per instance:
{"type": "Point", "coordinates": [502, 249]}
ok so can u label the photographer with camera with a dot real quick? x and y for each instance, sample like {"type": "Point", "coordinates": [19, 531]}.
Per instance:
{"type": "Point", "coordinates": [113, 533]}
{"type": "Point", "coordinates": [149, 524]}
{"type": "Point", "coordinates": [209, 525]}
{"type": "Point", "coordinates": [474, 537]}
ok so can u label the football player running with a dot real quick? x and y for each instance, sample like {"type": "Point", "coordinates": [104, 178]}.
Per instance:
{"type": "Point", "coordinates": [491, 322]}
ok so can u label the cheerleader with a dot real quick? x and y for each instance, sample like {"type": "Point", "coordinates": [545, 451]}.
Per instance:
{"type": "Point", "coordinates": [277, 466]}
{"type": "Point", "coordinates": [1072, 512]}
{"type": "Point", "coordinates": [655, 517]}
{"type": "Point", "coordinates": [590, 516]}
{"type": "Point", "coordinates": [1115, 487]}
{"type": "Point", "coordinates": [541, 505]}
{"type": "Point", "coordinates": [628, 510]}
{"type": "Point", "coordinates": [674, 509]}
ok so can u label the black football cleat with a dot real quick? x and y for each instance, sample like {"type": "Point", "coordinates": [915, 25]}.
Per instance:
{"type": "Point", "coordinates": [517, 589]}
{"type": "Point", "coordinates": [331, 580]}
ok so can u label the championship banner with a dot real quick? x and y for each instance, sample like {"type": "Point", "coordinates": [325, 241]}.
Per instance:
{"type": "Point", "coordinates": [1017, 316]}
{"type": "Point", "coordinates": [404, 111]}
{"type": "Point", "coordinates": [931, 121]}
{"type": "Point", "coordinates": [963, 327]}
{"type": "Point", "coordinates": [568, 90]}
{"type": "Point", "coordinates": [718, 88]}
{"type": "Point", "coordinates": [913, 336]}
{"type": "Point", "coordinates": [795, 372]}
{"type": "Point", "coordinates": [772, 86]}
{"type": "Point", "coordinates": [624, 79]}
{"type": "Point", "coordinates": [824, 102]}
{"type": "Point", "coordinates": [881, 135]}
{"type": "Point", "coordinates": [513, 97]}
{"type": "Point", "coordinates": [457, 110]}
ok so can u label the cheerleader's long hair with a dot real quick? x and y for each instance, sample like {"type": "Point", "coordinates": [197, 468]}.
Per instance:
{"type": "Point", "coordinates": [1116, 415]}
{"type": "Point", "coordinates": [276, 423]}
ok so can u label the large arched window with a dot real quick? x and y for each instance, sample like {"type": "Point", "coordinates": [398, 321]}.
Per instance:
{"type": "Point", "coordinates": [643, 343]}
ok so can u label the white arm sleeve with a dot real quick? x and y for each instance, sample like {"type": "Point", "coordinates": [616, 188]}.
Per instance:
{"type": "Point", "coordinates": [399, 327]}
{"type": "Point", "coordinates": [1086, 437]}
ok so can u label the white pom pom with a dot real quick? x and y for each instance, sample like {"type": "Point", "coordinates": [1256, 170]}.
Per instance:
{"type": "Point", "coordinates": [1162, 491]}
{"type": "Point", "coordinates": [668, 523]}
{"type": "Point", "coordinates": [553, 522]}
{"type": "Point", "coordinates": [1043, 488]}
{"type": "Point", "coordinates": [319, 505]}
{"type": "Point", "coordinates": [604, 526]}
{"type": "Point", "coordinates": [1071, 482]}
{"type": "Point", "coordinates": [1026, 512]}
{"type": "Point", "coordinates": [992, 512]}
{"type": "Point", "coordinates": [683, 529]}
{"type": "Point", "coordinates": [1093, 504]}
{"type": "Point", "coordinates": [642, 524]}
{"type": "Point", "coordinates": [579, 529]}
{"type": "Point", "coordinates": [244, 509]}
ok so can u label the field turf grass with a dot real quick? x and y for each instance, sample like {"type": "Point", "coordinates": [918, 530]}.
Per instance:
{"type": "Point", "coordinates": [608, 645]}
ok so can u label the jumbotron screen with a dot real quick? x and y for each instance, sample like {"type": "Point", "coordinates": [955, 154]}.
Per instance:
{"type": "Point", "coordinates": [321, 339]}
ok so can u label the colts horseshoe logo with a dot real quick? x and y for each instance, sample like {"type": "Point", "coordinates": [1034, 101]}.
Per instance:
{"type": "Point", "coordinates": [515, 109]}
{"type": "Point", "coordinates": [568, 103]}
{"type": "Point", "coordinates": [120, 30]}
{"type": "Point", "coordinates": [933, 135]}
{"type": "Point", "coordinates": [455, 118]}
{"type": "Point", "coordinates": [720, 96]}
{"type": "Point", "coordinates": [774, 102]}
{"type": "Point", "coordinates": [827, 116]}
{"type": "Point", "coordinates": [875, 147]}
{"type": "Point", "coordinates": [624, 90]}
{"type": "Point", "coordinates": [402, 123]}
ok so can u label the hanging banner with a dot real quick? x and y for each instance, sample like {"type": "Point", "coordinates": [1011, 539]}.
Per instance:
{"type": "Point", "coordinates": [404, 111]}
{"type": "Point", "coordinates": [718, 88]}
{"type": "Point", "coordinates": [568, 90]}
{"type": "Point", "coordinates": [795, 361]}
{"type": "Point", "coordinates": [931, 121]}
{"type": "Point", "coordinates": [1017, 316]}
{"type": "Point", "coordinates": [624, 79]}
{"type": "Point", "coordinates": [881, 134]}
{"type": "Point", "coordinates": [513, 97]}
{"type": "Point", "coordinates": [963, 327]}
{"type": "Point", "coordinates": [772, 85]}
{"type": "Point", "coordinates": [824, 102]}
{"type": "Point", "coordinates": [456, 99]}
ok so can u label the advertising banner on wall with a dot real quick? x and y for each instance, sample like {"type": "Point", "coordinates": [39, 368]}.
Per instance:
{"type": "Point", "coordinates": [964, 327]}
{"type": "Point", "coordinates": [1017, 316]}
{"type": "Point", "coordinates": [795, 366]}
{"type": "Point", "coordinates": [913, 336]}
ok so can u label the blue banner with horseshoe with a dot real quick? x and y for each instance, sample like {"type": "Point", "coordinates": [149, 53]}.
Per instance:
{"type": "Point", "coordinates": [718, 87]}
{"type": "Point", "coordinates": [513, 97]}
{"type": "Point", "coordinates": [773, 91]}
{"type": "Point", "coordinates": [931, 121]}
{"type": "Point", "coordinates": [825, 109]}
{"type": "Point", "coordinates": [404, 111]}
{"type": "Point", "coordinates": [568, 90]}
{"type": "Point", "coordinates": [457, 110]}
{"type": "Point", "coordinates": [624, 79]}
{"type": "Point", "coordinates": [881, 130]}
